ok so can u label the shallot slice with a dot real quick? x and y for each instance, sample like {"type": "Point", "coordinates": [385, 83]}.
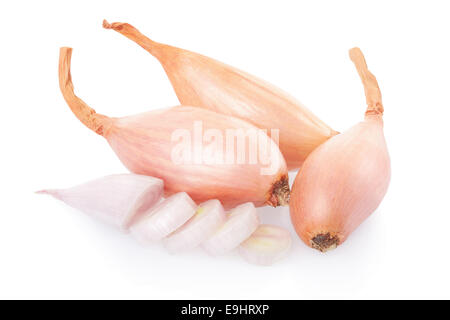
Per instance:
{"type": "Point", "coordinates": [116, 199]}
{"type": "Point", "coordinates": [267, 245]}
{"type": "Point", "coordinates": [209, 216]}
{"type": "Point", "coordinates": [209, 84]}
{"type": "Point", "coordinates": [164, 219]}
{"type": "Point", "coordinates": [241, 223]}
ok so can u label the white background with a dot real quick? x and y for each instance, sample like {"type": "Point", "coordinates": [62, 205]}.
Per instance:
{"type": "Point", "coordinates": [48, 250]}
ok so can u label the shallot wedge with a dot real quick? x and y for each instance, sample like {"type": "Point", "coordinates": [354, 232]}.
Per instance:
{"type": "Point", "coordinates": [209, 216]}
{"type": "Point", "coordinates": [345, 179]}
{"type": "Point", "coordinates": [241, 223]}
{"type": "Point", "coordinates": [267, 245]}
{"type": "Point", "coordinates": [116, 199]}
{"type": "Point", "coordinates": [207, 83]}
{"type": "Point", "coordinates": [146, 144]}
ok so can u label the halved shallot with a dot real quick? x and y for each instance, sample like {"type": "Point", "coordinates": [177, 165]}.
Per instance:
{"type": "Point", "coordinates": [344, 180]}
{"type": "Point", "coordinates": [208, 217]}
{"type": "Point", "coordinates": [165, 218]}
{"type": "Point", "coordinates": [116, 199]}
{"type": "Point", "coordinates": [145, 144]}
{"type": "Point", "coordinates": [267, 245]}
{"type": "Point", "coordinates": [241, 223]}
{"type": "Point", "coordinates": [207, 83]}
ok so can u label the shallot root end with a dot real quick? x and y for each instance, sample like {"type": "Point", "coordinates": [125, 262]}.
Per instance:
{"type": "Point", "coordinates": [280, 194]}
{"type": "Point", "coordinates": [325, 242]}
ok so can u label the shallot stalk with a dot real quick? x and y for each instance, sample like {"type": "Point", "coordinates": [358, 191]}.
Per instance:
{"type": "Point", "coordinates": [267, 245]}
{"type": "Point", "coordinates": [344, 180]}
{"type": "Point", "coordinates": [145, 144]}
{"type": "Point", "coordinates": [206, 83]}
{"type": "Point", "coordinates": [241, 223]}
{"type": "Point", "coordinates": [116, 199]}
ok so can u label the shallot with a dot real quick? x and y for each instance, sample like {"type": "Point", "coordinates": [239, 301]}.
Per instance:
{"type": "Point", "coordinates": [116, 199]}
{"type": "Point", "coordinates": [344, 180]}
{"type": "Point", "coordinates": [267, 245]}
{"type": "Point", "coordinates": [208, 217]}
{"type": "Point", "coordinates": [165, 218]}
{"type": "Point", "coordinates": [145, 144]}
{"type": "Point", "coordinates": [241, 222]}
{"type": "Point", "coordinates": [207, 83]}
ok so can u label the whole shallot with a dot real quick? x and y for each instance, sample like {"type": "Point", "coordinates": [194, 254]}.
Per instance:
{"type": "Point", "coordinates": [344, 180]}
{"type": "Point", "coordinates": [145, 145]}
{"type": "Point", "coordinates": [207, 83]}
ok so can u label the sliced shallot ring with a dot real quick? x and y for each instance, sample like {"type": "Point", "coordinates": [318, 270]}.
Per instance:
{"type": "Point", "coordinates": [164, 219]}
{"type": "Point", "coordinates": [241, 223]}
{"type": "Point", "coordinates": [267, 245]}
{"type": "Point", "coordinates": [209, 216]}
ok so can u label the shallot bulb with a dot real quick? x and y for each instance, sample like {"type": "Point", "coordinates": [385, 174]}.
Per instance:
{"type": "Point", "coordinates": [344, 180]}
{"type": "Point", "coordinates": [116, 199]}
{"type": "Point", "coordinates": [209, 84]}
{"type": "Point", "coordinates": [145, 144]}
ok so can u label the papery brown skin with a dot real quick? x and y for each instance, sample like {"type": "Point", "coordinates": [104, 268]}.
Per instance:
{"type": "Point", "coordinates": [207, 83]}
{"type": "Point", "coordinates": [344, 180]}
{"type": "Point", "coordinates": [143, 143]}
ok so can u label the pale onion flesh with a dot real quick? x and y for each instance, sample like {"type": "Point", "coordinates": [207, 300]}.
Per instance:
{"type": "Point", "coordinates": [134, 202]}
{"type": "Point", "coordinates": [241, 222]}
{"type": "Point", "coordinates": [345, 179]}
{"type": "Point", "coordinates": [208, 217]}
{"type": "Point", "coordinates": [115, 199]}
{"type": "Point", "coordinates": [267, 245]}
{"type": "Point", "coordinates": [144, 144]}
{"type": "Point", "coordinates": [165, 218]}
{"type": "Point", "coordinates": [209, 84]}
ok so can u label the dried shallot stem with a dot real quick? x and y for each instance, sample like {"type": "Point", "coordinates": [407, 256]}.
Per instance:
{"type": "Point", "coordinates": [91, 119]}
{"type": "Point", "coordinates": [134, 35]}
{"type": "Point", "coordinates": [371, 89]}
